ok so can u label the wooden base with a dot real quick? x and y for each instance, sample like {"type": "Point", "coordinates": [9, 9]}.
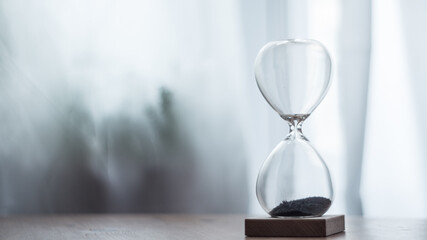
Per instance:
{"type": "Point", "coordinates": [294, 227]}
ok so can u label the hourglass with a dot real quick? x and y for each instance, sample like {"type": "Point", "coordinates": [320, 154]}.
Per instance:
{"type": "Point", "coordinates": [294, 185]}
{"type": "Point", "coordinates": [294, 77]}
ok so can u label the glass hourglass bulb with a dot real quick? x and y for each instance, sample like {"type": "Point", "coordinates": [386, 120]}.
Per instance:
{"type": "Point", "coordinates": [294, 77]}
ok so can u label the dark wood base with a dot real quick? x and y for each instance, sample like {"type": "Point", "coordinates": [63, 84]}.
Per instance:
{"type": "Point", "coordinates": [294, 227]}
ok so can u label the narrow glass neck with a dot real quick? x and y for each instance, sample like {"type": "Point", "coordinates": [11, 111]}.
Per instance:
{"type": "Point", "coordinates": [295, 125]}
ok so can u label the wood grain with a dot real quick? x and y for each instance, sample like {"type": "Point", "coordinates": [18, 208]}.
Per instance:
{"type": "Point", "coordinates": [294, 227]}
{"type": "Point", "coordinates": [184, 227]}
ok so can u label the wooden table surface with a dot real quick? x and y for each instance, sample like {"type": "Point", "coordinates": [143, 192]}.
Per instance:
{"type": "Point", "coordinates": [160, 227]}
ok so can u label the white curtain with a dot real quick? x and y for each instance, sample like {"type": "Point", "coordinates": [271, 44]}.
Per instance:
{"type": "Point", "coordinates": [394, 171]}
{"type": "Point", "coordinates": [152, 106]}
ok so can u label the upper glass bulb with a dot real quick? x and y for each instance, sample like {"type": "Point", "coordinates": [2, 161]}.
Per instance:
{"type": "Point", "coordinates": [293, 75]}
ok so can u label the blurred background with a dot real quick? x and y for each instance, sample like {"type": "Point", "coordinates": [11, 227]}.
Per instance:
{"type": "Point", "coordinates": [152, 106]}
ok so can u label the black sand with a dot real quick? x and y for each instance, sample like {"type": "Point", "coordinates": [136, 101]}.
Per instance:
{"type": "Point", "coordinates": [311, 206]}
